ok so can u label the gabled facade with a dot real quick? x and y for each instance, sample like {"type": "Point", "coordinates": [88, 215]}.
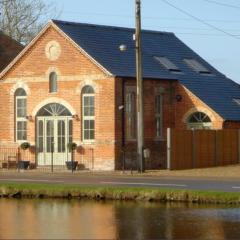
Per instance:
{"type": "Point", "coordinates": [72, 84]}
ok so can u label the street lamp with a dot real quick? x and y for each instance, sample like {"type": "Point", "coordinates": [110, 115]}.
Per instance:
{"type": "Point", "coordinates": [139, 85]}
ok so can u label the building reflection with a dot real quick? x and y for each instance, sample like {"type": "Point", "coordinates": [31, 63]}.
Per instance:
{"type": "Point", "coordinates": [56, 219]}
{"type": "Point", "coordinates": [61, 219]}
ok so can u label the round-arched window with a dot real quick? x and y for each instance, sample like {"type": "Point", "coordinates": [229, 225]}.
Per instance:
{"type": "Point", "coordinates": [20, 115]}
{"type": "Point", "coordinates": [53, 109]}
{"type": "Point", "coordinates": [199, 120]}
{"type": "Point", "coordinates": [53, 82]}
{"type": "Point", "coordinates": [87, 90]}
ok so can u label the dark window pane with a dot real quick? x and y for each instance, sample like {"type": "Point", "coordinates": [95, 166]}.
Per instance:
{"type": "Point", "coordinates": [91, 124]}
{"type": "Point", "coordinates": [20, 92]}
{"type": "Point", "coordinates": [53, 82]}
{"type": "Point", "coordinates": [87, 90]}
{"type": "Point", "coordinates": [91, 134]}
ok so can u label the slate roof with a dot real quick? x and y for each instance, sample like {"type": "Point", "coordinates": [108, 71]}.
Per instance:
{"type": "Point", "coordinates": [102, 43]}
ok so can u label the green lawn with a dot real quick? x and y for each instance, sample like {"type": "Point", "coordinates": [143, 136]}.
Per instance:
{"type": "Point", "coordinates": [35, 190]}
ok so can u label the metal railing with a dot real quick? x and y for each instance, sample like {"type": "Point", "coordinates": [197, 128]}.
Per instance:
{"type": "Point", "coordinates": [15, 158]}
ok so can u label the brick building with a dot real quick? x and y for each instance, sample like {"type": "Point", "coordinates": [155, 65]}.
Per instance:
{"type": "Point", "coordinates": [72, 84]}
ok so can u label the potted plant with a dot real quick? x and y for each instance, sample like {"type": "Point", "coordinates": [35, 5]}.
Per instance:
{"type": "Point", "coordinates": [72, 145]}
{"type": "Point", "coordinates": [25, 145]}
{"type": "Point", "coordinates": [23, 164]}
{"type": "Point", "coordinates": [72, 165]}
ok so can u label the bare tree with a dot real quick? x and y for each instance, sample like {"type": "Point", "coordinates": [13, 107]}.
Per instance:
{"type": "Point", "coordinates": [23, 19]}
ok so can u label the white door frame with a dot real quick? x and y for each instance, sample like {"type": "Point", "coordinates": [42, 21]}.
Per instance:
{"type": "Point", "coordinates": [60, 153]}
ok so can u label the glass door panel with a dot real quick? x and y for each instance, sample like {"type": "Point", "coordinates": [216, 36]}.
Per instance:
{"type": "Point", "coordinates": [61, 136]}
{"type": "Point", "coordinates": [50, 136]}
{"type": "Point", "coordinates": [40, 136]}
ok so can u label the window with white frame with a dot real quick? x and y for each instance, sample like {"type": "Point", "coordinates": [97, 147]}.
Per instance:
{"type": "Point", "coordinates": [159, 113]}
{"type": "Point", "coordinates": [53, 82]}
{"type": "Point", "coordinates": [199, 120]}
{"type": "Point", "coordinates": [20, 115]}
{"type": "Point", "coordinates": [88, 114]}
{"type": "Point", "coordinates": [130, 114]}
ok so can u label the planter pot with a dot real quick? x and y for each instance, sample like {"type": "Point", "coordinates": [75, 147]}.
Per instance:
{"type": "Point", "coordinates": [71, 165]}
{"type": "Point", "coordinates": [23, 164]}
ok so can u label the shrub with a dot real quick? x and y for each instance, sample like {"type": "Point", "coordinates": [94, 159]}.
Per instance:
{"type": "Point", "coordinates": [72, 145]}
{"type": "Point", "coordinates": [25, 145]}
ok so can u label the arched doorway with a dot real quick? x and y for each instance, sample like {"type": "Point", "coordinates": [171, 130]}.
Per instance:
{"type": "Point", "coordinates": [53, 133]}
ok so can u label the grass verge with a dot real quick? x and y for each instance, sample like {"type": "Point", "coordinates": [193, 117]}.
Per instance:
{"type": "Point", "coordinates": [35, 190]}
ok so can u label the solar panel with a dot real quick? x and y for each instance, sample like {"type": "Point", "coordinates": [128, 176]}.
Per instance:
{"type": "Point", "coordinates": [165, 62]}
{"type": "Point", "coordinates": [237, 100]}
{"type": "Point", "coordinates": [196, 66]}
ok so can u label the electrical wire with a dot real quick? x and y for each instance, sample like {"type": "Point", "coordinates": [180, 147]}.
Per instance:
{"type": "Point", "coordinates": [222, 4]}
{"type": "Point", "coordinates": [145, 17]}
{"type": "Point", "coordinates": [200, 20]}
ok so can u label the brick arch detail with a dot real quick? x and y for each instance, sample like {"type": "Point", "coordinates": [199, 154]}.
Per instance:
{"type": "Point", "coordinates": [53, 100]}
{"type": "Point", "coordinates": [20, 84]}
{"type": "Point", "coordinates": [52, 69]}
{"type": "Point", "coordinates": [198, 109]}
{"type": "Point", "coordinates": [89, 82]}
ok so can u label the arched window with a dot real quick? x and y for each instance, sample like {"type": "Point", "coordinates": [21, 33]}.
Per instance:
{"type": "Point", "coordinates": [53, 82]}
{"type": "Point", "coordinates": [88, 113]}
{"type": "Point", "coordinates": [20, 115]}
{"type": "Point", "coordinates": [199, 120]}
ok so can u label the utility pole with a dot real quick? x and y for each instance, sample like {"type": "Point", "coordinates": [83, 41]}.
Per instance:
{"type": "Point", "coordinates": [140, 123]}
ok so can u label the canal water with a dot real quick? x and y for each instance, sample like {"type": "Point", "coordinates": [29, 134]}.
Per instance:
{"type": "Point", "coordinates": [62, 219]}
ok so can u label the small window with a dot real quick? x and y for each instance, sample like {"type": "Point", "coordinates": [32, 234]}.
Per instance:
{"type": "Point", "coordinates": [237, 100]}
{"type": "Point", "coordinates": [196, 66]}
{"type": "Point", "coordinates": [166, 63]}
{"type": "Point", "coordinates": [199, 120]}
{"type": "Point", "coordinates": [53, 82]}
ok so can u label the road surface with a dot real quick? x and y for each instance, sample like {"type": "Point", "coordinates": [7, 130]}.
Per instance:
{"type": "Point", "coordinates": [217, 184]}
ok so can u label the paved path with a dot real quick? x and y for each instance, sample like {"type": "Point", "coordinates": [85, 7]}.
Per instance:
{"type": "Point", "coordinates": [229, 185]}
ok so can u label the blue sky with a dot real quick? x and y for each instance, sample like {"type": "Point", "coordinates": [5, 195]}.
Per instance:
{"type": "Point", "coordinates": [218, 48]}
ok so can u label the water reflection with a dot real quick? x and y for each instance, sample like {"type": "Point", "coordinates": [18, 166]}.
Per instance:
{"type": "Point", "coordinates": [29, 219]}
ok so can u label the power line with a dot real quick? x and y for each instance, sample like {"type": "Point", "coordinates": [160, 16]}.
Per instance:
{"type": "Point", "coordinates": [146, 17]}
{"type": "Point", "coordinates": [222, 4]}
{"type": "Point", "coordinates": [200, 20]}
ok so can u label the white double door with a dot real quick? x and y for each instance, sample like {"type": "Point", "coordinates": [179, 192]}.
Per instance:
{"type": "Point", "coordinates": [53, 136]}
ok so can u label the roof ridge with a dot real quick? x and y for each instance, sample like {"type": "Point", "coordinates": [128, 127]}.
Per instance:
{"type": "Point", "coordinates": [111, 27]}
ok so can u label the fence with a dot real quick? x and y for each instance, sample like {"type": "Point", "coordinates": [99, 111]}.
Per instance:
{"type": "Point", "coordinates": [10, 157]}
{"type": "Point", "coordinates": [14, 158]}
{"type": "Point", "coordinates": [188, 149]}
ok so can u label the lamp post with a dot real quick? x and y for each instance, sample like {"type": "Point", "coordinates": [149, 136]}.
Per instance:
{"type": "Point", "coordinates": [140, 122]}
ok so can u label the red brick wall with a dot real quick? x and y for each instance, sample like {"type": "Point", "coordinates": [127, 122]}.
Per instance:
{"type": "Point", "coordinates": [231, 125]}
